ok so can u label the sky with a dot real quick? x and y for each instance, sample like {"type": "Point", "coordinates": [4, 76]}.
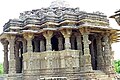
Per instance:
{"type": "Point", "coordinates": [10, 9]}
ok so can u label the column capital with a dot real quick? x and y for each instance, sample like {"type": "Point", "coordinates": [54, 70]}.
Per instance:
{"type": "Point", "coordinates": [99, 36]}
{"type": "Point", "coordinates": [28, 35]}
{"type": "Point", "coordinates": [66, 32]}
{"type": "Point", "coordinates": [105, 38]}
{"type": "Point", "coordinates": [85, 39]}
{"type": "Point", "coordinates": [48, 34]}
{"type": "Point", "coordinates": [11, 37]}
{"type": "Point", "coordinates": [4, 42]}
{"type": "Point", "coordinates": [84, 31]}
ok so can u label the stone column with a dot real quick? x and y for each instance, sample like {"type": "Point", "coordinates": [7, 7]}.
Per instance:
{"type": "Point", "coordinates": [29, 37]}
{"type": "Point", "coordinates": [100, 60]}
{"type": "Point", "coordinates": [67, 33]}
{"type": "Point", "coordinates": [5, 63]}
{"type": "Point", "coordinates": [48, 36]}
{"type": "Point", "coordinates": [79, 47]}
{"type": "Point", "coordinates": [60, 43]}
{"type": "Point", "coordinates": [79, 42]}
{"type": "Point", "coordinates": [12, 61]}
{"type": "Point", "coordinates": [107, 55]}
{"type": "Point", "coordinates": [42, 45]}
{"type": "Point", "coordinates": [86, 56]}
{"type": "Point", "coordinates": [67, 42]}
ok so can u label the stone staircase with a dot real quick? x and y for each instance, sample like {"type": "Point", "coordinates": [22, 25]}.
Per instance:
{"type": "Point", "coordinates": [92, 75]}
{"type": "Point", "coordinates": [99, 75]}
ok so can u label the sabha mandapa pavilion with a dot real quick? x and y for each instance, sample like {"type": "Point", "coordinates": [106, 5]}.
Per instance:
{"type": "Point", "coordinates": [59, 43]}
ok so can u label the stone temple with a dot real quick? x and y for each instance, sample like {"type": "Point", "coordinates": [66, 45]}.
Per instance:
{"type": "Point", "coordinates": [59, 43]}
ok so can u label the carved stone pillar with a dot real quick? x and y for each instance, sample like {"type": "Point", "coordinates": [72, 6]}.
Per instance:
{"type": "Point", "coordinates": [67, 42]}
{"type": "Point", "coordinates": [79, 42]}
{"type": "Point", "coordinates": [12, 61]}
{"type": "Point", "coordinates": [100, 60]}
{"type": "Point", "coordinates": [67, 33]}
{"type": "Point", "coordinates": [86, 56]}
{"type": "Point", "coordinates": [107, 55]}
{"type": "Point", "coordinates": [42, 45]}
{"type": "Point", "coordinates": [48, 36]}
{"type": "Point", "coordinates": [29, 37]}
{"type": "Point", "coordinates": [5, 63]}
{"type": "Point", "coordinates": [79, 47]}
{"type": "Point", "coordinates": [60, 44]}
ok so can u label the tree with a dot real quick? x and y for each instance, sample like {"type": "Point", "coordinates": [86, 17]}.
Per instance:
{"type": "Point", "coordinates": [117, 65]}
{"type": "Point", "coordinates": [1, 68]}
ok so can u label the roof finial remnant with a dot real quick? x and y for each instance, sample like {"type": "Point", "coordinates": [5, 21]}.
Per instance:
{"type": "Point", "coordinates": [59, 3]}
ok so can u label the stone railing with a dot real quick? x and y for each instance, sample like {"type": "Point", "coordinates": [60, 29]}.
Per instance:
{"type": "Point", "coordinates": [51, 62]}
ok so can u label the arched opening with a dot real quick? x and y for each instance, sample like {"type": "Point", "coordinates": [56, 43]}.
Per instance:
{"type": "Point", "coordinates": [63, 41]}
{"type": "Point", "coordinates": [19, 57]}
{"type": "Point", "coordinates": [73, 42]}
{"type": "Point", "coordinates": [54, 42]}
{"type": "Point", "coordinates": [93, 52]}
{"type": "Point", "coordinates": [36, 45]}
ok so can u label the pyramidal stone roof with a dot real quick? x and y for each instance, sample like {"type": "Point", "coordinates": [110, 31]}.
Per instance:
{"type": "Point", "coordinates": [59, 3]}
{"type": "Point", "coordinates": [58, 13]}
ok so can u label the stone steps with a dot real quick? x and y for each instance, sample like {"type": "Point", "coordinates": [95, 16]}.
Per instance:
{"type": "Point", "coordinates": [94, 75]}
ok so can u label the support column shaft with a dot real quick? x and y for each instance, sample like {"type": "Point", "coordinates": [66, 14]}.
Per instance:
{"type": "Point", "coordinates": [29, 45]}
{"type": "Point", "coordinates": [67, 33]}
{"type": "Point", "coordinates": [100, 60]}
{"type": "Point", "coordinates": [48, 43]}
{"type": "Point", "coordinates": [67, 42]}
{"type": "Point", "coordinates": [60, 44]}
{"type": "Point", "coordinates": [79, 47]}
{"type": "Point", "coordinates": [107, 55]}
{"type": "Point", "coordinates": [29, 37]}
{"type": "Point", "coordinates": [79, 42]}
{"type": "Point", "coordinates": [48, 36]}
{"type": "Point", "coordinates": [12, 61]}
{"type": "Point", "coordinates": [87, 56]}
{"type": "Point", "coordinates": [42, 45]}
{"type": "Point", "coordinates": [5, 63]}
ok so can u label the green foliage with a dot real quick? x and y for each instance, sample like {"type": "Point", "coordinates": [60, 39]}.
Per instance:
{"type": "Point", "coordinates": [1, 68]}
{"type": "Point", "coordinates": [117, 65]}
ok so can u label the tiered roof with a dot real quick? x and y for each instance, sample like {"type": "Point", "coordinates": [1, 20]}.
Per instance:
{"type": "Point", "coordinates": [59, 14]}
{"type": "Point", "coordinates": [116, 16]}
